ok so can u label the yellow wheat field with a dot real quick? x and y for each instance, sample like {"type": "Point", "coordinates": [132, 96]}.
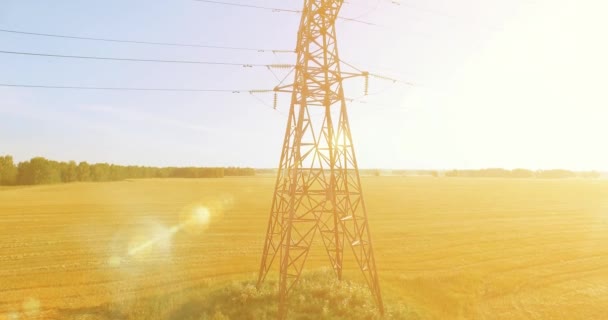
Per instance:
{"type": "Point", "coordinates": [449, 248]}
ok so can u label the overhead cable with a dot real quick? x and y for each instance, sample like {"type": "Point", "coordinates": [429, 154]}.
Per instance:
{"type": "Point", "coordinates": [246, 65]}
{"type": "Point", "coordinates": [172, 44]}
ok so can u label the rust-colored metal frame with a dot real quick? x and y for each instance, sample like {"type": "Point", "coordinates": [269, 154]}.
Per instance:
{"type": "Point", "coordinates": [318, 189]}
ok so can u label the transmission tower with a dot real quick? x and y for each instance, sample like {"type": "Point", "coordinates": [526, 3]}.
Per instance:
{"type": "Point", "coordinates": [318, 189]}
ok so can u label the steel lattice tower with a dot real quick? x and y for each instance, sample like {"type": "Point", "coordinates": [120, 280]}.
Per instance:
{"type": "Point", "coordinates": [318, 188]}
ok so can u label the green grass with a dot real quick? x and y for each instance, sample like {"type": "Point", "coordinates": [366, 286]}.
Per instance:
{"type": "Point", "coordinates": [319, 296]}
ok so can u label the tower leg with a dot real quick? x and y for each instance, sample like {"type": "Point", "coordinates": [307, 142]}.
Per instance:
{"type": "Point", "coordinates": [280, 203]}
{"type": "Point", "coordinates": [354, 220]}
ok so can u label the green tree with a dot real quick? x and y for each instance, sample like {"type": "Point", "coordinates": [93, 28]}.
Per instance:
{"type": "Point", "coordinates": [452, 173]}
{"type": "Point", "coordinates": [100, 172]}
{"type": "Point", "coordinates": [555, 174]}
{"type": "Point", "coordinates": [84, 171]}
{"type": "Point", "coordinates": [522, 173]}
{"type": "Point", "coordinates": [8, 171]}
{"type": "Point", "coordinates": [69, 172]}
{"type": "Point", "coordinates": [38, 171]}
{"type": "Point", "coordinates": [590, 174]}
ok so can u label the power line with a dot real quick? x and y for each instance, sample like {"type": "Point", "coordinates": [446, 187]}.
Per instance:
{"type": "Point", "coordinates": [273, 9]}
{"type": "Point", "coordinates": [251, 92]}
{"type": "Point", "coordinates": [452, 17]}
{"type": "Point", "coordinates": [246, 65]}
{"type": "Point", "coordinates": [119, 88]}
{"type": "Point", "coordinates": [269, 66]}
{"type": "Point", "coordinates": [350, 65]}
{"type": "Point", "coordinates": [144, 42]}
{"type": "Point", "coordinates": [368, 12]}
{"type": "Point", "coordinates": [250, 6]}
{"type": "Point", "coordinates": [407, 83]}
{"type": "Point", "coordinates": [378, 76]}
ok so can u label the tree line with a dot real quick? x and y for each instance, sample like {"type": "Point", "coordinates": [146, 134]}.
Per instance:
{"type": "Point", "coordinates": [487, 173]}
{"type": "Point", "coordinates": [522, 173]}
{"type": "Point", "coordinates": [40, 170]}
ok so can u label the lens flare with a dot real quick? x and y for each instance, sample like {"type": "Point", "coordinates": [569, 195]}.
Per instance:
{"type": "Point", "coordinates": [196, 219]}
{"type": "Point", "coordinates": [201, 216]}
{"type": "Point", "coordinates": [31, 307]}
{"type": "Point", "coordinates": [115, 261]}
{"type": "Point", "coordinates": [12, 316]}
{"type": "Point", "coordinates": [154, 240]}
{"type": "Point", "coordinates": [160, 239]}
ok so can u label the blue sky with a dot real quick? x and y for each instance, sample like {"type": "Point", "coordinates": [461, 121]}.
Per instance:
{"type": "Point", "coordinates": [455, 53]}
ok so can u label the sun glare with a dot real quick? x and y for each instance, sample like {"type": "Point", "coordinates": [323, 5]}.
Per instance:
{"type": "Point", "coordinates": [202, 216]}
{"type": "Point", "coordinates": [115, 261]}
{"type": "Point", "coordinates": [12, 316]}
{"type": "Point", "coordinates": [156, 240]}
{"type": "Point", "coordinates": [31, 307]}
{"type": "Point", "coordinates": [196, 218]}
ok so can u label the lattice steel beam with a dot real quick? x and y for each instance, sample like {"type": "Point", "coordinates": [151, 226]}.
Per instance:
{"type": "Point", "coordinates": [318, 189]}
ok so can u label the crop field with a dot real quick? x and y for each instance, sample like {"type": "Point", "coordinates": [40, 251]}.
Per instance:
{"type": "Point", "coordinates": [447, 248]}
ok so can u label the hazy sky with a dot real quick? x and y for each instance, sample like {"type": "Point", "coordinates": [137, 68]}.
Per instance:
{"type": "Point", "coordinates": [498, 83]}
